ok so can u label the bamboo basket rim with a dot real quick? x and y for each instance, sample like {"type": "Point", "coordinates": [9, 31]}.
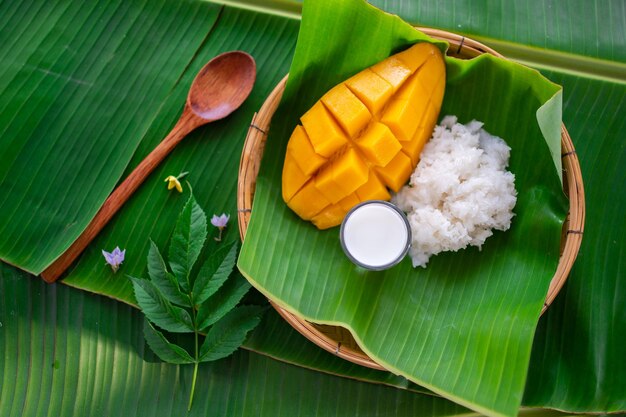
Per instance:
{"type": "Point", "coordinates": [336, 339]}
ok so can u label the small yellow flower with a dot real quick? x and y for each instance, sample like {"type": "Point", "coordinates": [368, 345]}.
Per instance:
{"type": "Point", "coordinates": [172, 182]}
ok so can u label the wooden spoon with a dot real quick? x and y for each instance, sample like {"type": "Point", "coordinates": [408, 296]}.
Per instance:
{"type": "Point", "coordinates": [220, 88]}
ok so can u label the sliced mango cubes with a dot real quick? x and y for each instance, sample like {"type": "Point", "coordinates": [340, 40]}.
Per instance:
{"type": "Point", "coordinates": [364, 136]}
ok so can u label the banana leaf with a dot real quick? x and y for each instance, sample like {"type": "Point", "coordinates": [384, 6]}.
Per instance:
{"type": "Point", "coordinates": [463, 327]}
{"type": "Point", "coordinates": [577, 358]}
{"type": "Point", "coordinates": [275, 339]}
{"type": "Point", "coordinates": [81, 83]}
{"type": "Point", "coordinates": [572, 26]}
{"type": "Point", "coordinates": [576, 362]}
{"type": "Point", "coordinates": [210, 155]}
{"type": "Point", "coordinates": [65, 352]}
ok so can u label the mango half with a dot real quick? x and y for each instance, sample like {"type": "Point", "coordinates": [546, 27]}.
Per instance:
{"type": "Point", "coordinates": [364, 136]}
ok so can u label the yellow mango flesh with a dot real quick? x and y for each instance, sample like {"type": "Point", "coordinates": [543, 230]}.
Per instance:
{"type": "Point", "coordinates": [364, 136]}
{"type": "Point", "coordinates": [303, 153]}
{"type": "Point", "coordinates": [371, 89]}
{"type": "Point", "coordinates": [378, 144]}
{"type": "Point", "coordinates": [347, 109]}
{"type": "Point", "coordinates": [325, 135]}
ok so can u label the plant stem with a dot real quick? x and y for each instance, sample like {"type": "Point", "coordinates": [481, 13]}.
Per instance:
{"type": "Point", "coordinates": [193, 380]}
{"type": "Point", "coordinates": [195, 367]}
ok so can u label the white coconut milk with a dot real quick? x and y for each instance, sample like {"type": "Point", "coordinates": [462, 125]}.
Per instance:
{"type": "Point", "coordinates": [375, 235]}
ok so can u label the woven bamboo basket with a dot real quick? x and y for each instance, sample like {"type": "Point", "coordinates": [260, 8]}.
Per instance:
{"type": "Point", "coordinates": [337, 339]}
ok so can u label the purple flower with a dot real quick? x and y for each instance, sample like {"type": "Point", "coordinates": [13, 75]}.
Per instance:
{"type": "Point", "coordinates": [115, 258]}
{"type": "Point", "coordinates": [220, 222]}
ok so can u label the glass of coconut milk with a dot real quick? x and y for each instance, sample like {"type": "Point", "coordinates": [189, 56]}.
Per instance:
{"type": "Point", "coordinates": [375, 235]}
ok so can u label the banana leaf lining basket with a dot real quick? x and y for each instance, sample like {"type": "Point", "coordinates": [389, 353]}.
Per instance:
{"type": "Point", "coordinates": [336, 339]}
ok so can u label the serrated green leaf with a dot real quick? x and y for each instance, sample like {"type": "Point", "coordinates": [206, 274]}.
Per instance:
{"type": "Point", "coordinates": [214, 272]}
{"type": "Point", "coordinates": [187, 241]}
{"type": "Point", "coordinates": [230, 332]}
{"type": "Point", "coordinates": [166, 351]}
{"type": "Point", "coordinates": [220, 303]}
{"type": "Point", "coordinates": [163, 279]}
{"type": "Point", "coordinates": [158, 310]}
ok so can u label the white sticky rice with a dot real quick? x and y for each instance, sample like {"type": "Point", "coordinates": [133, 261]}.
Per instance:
{"type": "Point", "coordinates": [460, 190]}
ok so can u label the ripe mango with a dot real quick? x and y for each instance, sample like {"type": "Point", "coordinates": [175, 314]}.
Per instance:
{"type": "Point", "coordinates": [364, 136]}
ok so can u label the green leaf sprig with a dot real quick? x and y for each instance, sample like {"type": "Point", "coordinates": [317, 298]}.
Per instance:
{"type": "Point", "coordinates": [176, 302]}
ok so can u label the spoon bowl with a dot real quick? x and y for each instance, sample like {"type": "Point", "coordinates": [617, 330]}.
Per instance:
{"type": "Point", "coordinates": [220, 87]}
{"type": "Point", "coordinates": [229, 78]}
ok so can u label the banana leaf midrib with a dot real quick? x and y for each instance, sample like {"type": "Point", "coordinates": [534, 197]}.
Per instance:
{"type": "Point", "coordinates": [535, 57]}
{"type": "Point", "coordinates": [284, 8]}
{"type": "Point", "coordinates": [550, 59]}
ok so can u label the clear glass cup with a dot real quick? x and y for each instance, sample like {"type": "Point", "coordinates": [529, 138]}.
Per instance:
{"type": "Point", "coordinates": [375, 235]}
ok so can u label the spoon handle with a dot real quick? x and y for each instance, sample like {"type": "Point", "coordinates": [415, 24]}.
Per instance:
{"type": "Point", "coordinates": [185, 124]}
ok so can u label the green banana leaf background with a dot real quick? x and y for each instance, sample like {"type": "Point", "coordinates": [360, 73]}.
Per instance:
{"type": "Point", "coordinates": [54, 339]}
